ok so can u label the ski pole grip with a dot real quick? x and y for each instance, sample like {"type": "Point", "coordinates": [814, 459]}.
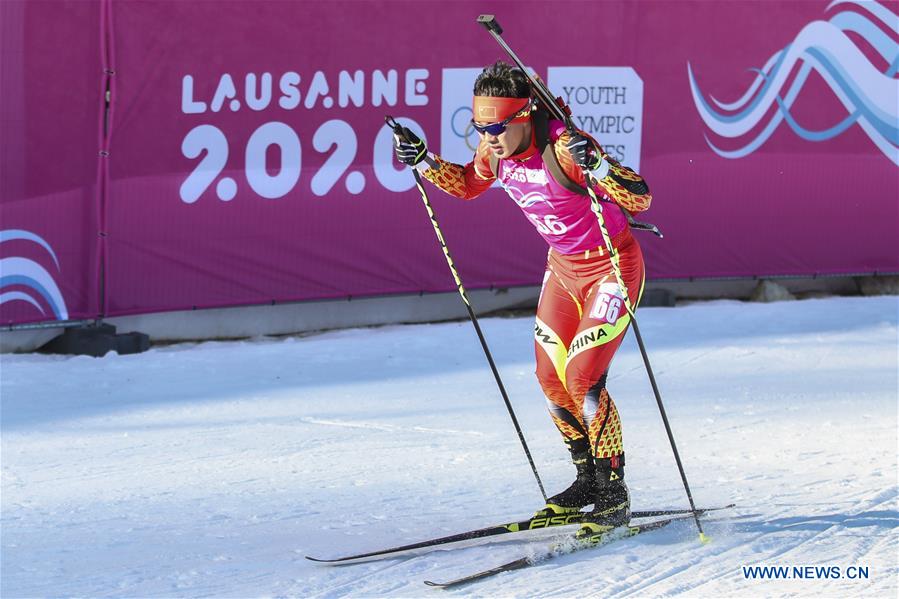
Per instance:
{"type": "Point", "coordinates": [489, 21]}
{"type": "Point", "coordinates": [398, 131]}
{"type": "Point", "coordinates": [396, 127]}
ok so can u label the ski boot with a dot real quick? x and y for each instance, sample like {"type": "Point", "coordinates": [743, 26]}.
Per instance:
{"type": "Point", "coordinates": [611, 504]}
{"type": "Point", "coordinates": [581, 493]}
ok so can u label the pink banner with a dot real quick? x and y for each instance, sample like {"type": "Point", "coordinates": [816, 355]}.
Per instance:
{"type": "Point", "coordinates": [51, 108]}
{"type": "Point", "coordinates": [248, 160]}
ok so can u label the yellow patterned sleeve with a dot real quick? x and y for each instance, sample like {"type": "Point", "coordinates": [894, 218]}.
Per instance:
{"type": "Point", "coordinates": [621, 185]}
{"type": "Point", "coordinates": [625, 187]}
{"type": "Point", "coordinates": [466, 182]}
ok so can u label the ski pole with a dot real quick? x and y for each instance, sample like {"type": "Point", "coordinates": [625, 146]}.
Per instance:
{"type": "Point", "coordinates": [398, 131]}
{"type": "Point", "coordinates": [544, 95]}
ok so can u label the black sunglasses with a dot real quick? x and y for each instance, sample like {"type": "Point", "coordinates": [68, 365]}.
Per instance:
{"type": "Point", "coordinates": [500, 127]}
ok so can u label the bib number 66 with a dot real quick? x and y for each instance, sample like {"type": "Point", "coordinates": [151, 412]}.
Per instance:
{"type": "Point", "coordinates": [549, 224]}
{"type": "Point", "coordinates": [608, 304]}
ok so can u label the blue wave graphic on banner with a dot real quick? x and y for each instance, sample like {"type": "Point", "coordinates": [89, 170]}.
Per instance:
{"type": "Point", "coordinates": [871, 97]}
{"type": "Point", "coordinates": [27, 273]}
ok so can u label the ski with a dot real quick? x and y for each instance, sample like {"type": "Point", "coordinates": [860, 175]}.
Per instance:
{"type": "Point", "coordinates": [679, 511]}
{"type": "Point", "coordinates": [569, 545]}
{"type": "Point", "coordinates": [530, 524]}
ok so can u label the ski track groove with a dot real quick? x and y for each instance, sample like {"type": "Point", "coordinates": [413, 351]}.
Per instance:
{"type": "Point", "coordinates": [637, 582]}
{"type": "Point", "coordinates": [389, 428]}
{"type": "Point", "coordinates": [333, 591]}
{"type": "Point", "coordinates": [767, 558]}
{"type": "Point", "coordinates": [719, 557]}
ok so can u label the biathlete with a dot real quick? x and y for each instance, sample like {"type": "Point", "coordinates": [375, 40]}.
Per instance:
{"type": "Point", "coordinates": [581, 316]}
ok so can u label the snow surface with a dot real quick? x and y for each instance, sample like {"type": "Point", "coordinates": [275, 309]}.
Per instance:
{"type": "Point", "coordinates": [212, 469]}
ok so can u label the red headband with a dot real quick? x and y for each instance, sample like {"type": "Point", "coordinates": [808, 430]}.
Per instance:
{"type": "Point", "coordinates": [488, 109]}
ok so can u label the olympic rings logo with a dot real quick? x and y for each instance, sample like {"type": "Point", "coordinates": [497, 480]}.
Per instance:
{"type": "Point", "coordinates": [467, 131]}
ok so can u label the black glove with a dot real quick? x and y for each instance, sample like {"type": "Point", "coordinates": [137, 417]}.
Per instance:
{"type": "Point", "coordinates": [408, 148]}
{"type": "Point", "coordinates": [584, 152]}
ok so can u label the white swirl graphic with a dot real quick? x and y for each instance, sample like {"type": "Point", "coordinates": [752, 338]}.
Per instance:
{"type": "Point", "coordinates": [870, 97]}
{"type": "Point", "coordinates": [525, 200]}
{"type": "Point", "coordinates": [24, 297]}
{"type": "Point", "coordinates": [27, 273]}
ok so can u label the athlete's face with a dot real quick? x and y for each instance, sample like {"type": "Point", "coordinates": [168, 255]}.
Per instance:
{"type": "Point", "coordinates": [514, 140]}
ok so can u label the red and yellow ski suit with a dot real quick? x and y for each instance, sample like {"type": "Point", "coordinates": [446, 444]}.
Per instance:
{"type": "Point", "coordinates": [581, 316]}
